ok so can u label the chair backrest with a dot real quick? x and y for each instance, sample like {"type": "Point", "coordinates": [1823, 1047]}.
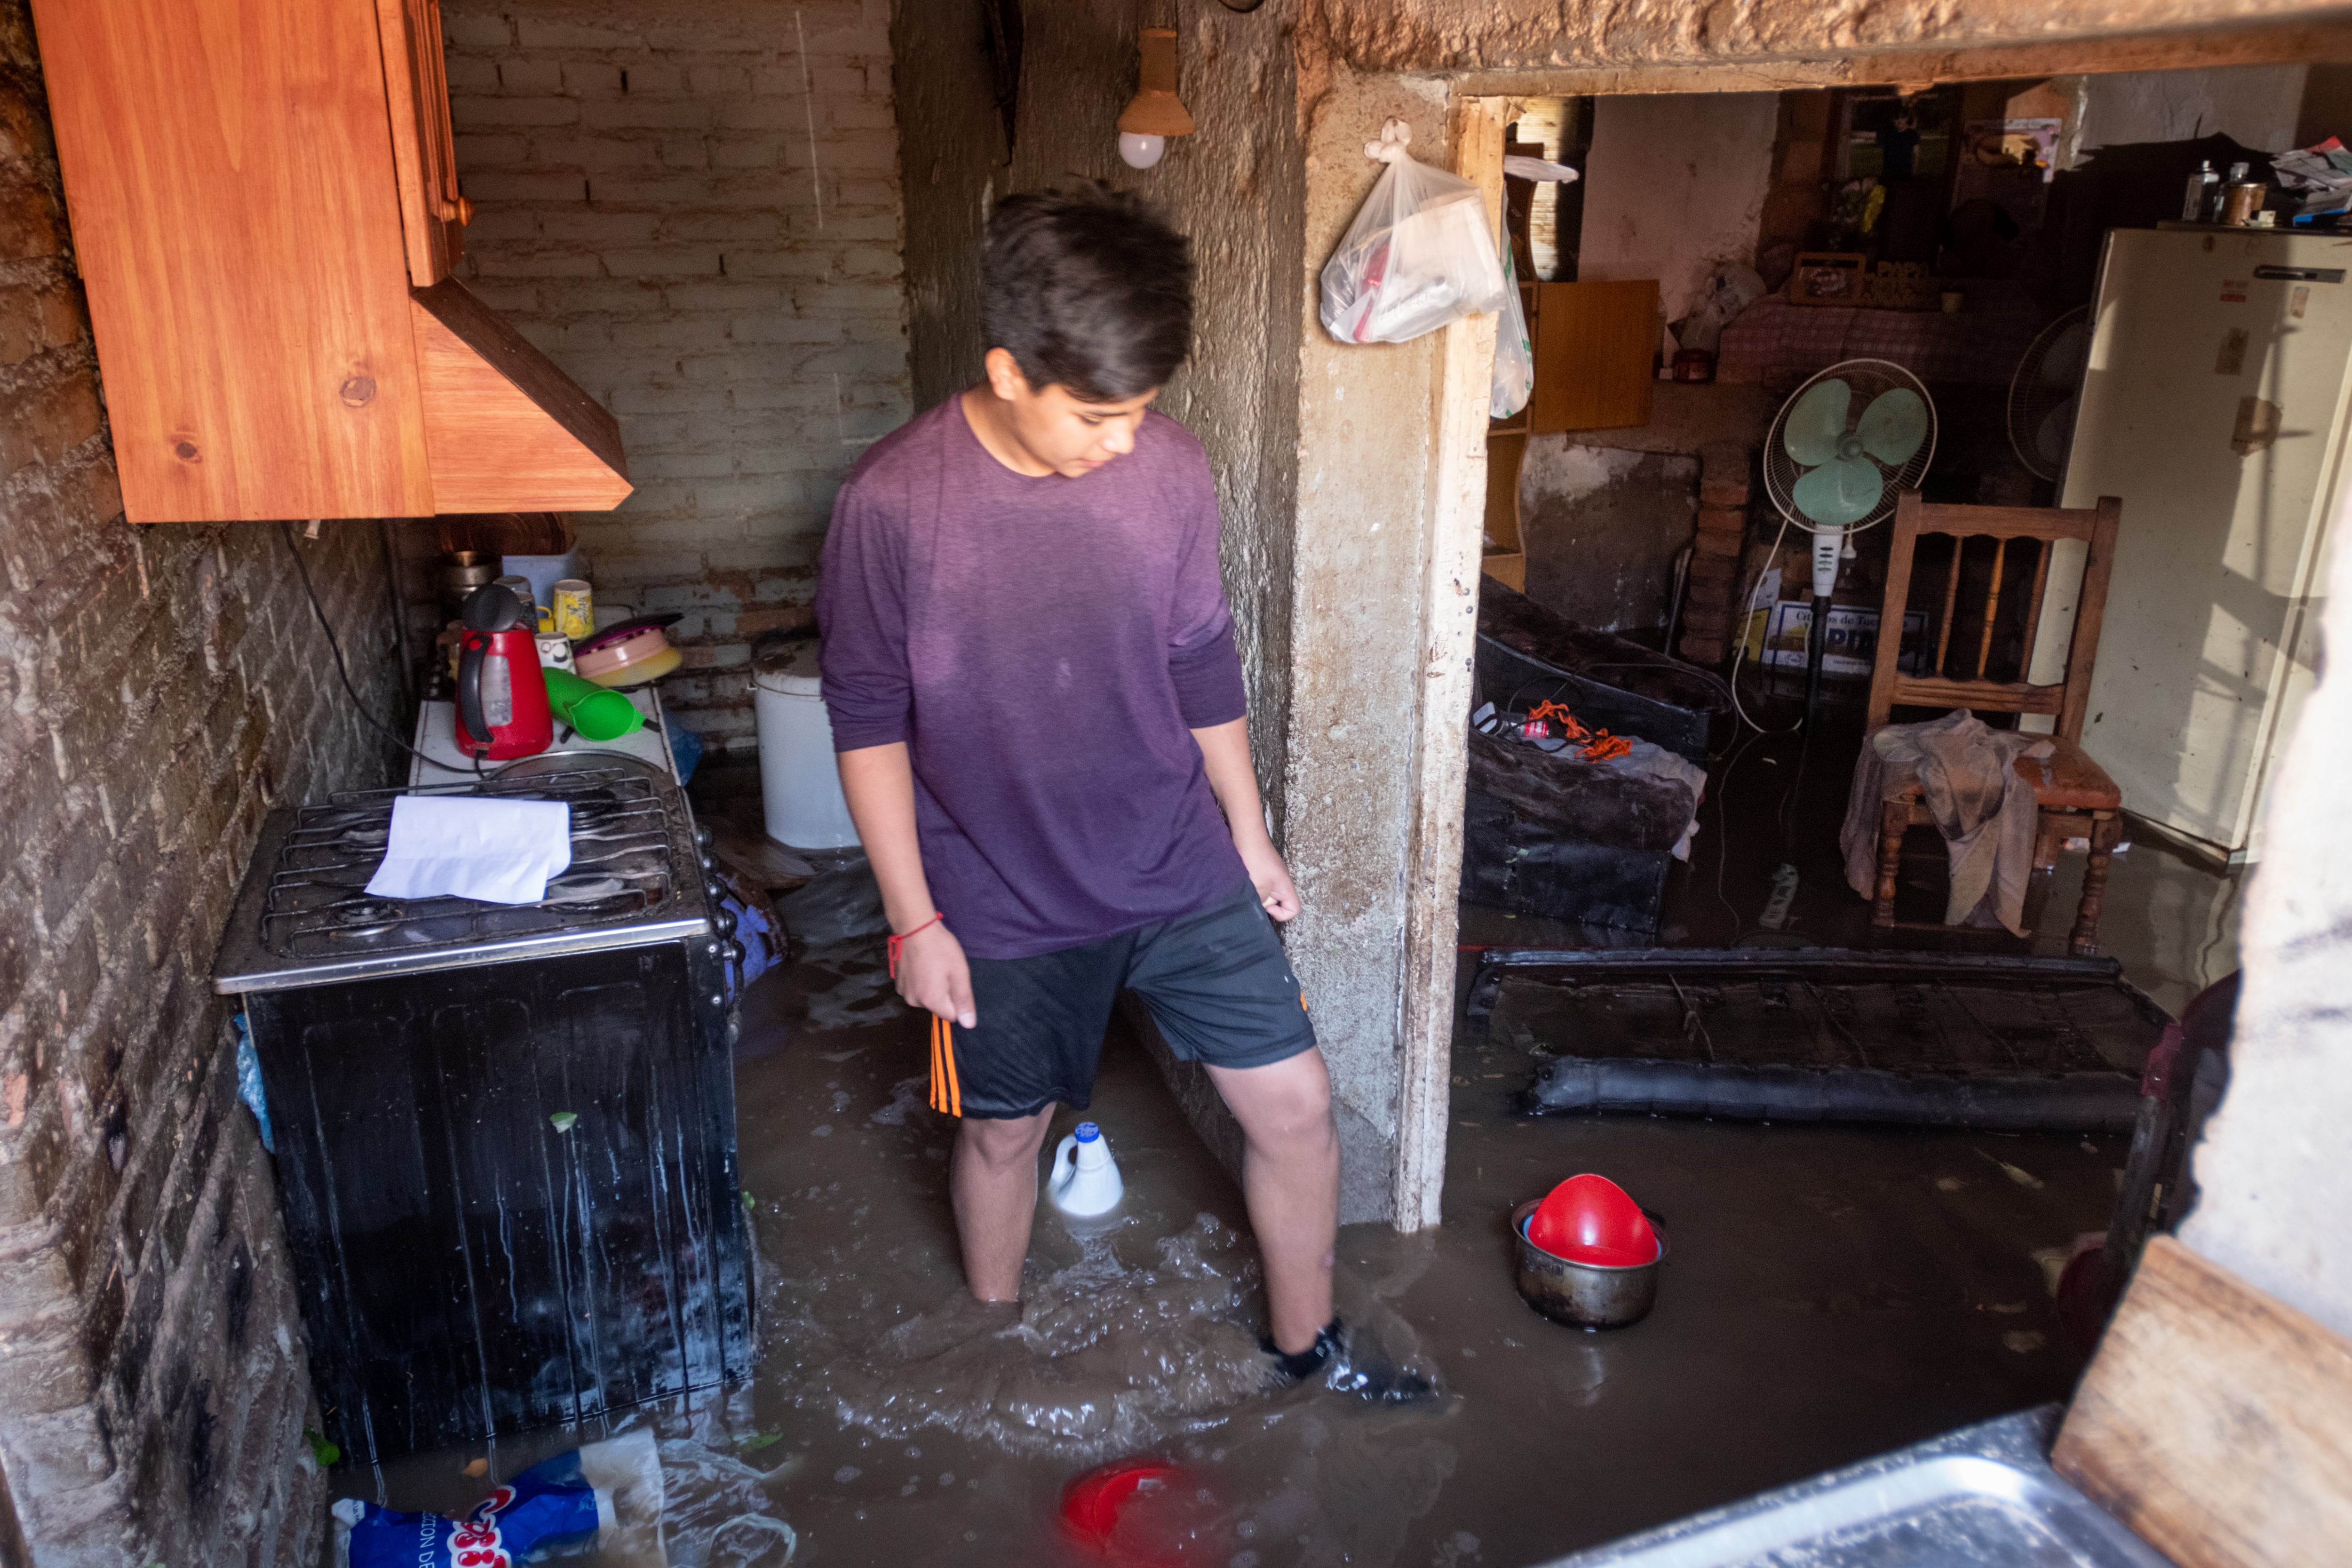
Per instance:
{"type": "Point", "coordinates": [1890, 687]}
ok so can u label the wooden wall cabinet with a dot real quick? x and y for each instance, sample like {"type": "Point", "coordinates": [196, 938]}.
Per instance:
{"type": "Point", "coordinates": [1595, 354]}
{"type": "Point", "coordinates": [265, 209]}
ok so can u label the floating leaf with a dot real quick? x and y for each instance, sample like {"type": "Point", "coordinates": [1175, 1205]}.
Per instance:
{"type": "Point", "coordinates": [753, 1442]}
{"type": "Point", "coordinates": [750, 1203]}
{"type": "Point", "coordinates": [562, 1120]}
{"type": "Point", "coordinates": [327, 1454]}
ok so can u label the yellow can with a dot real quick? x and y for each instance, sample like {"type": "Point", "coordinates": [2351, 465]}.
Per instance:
{"type": "Point", "coordinates": [575, 609]}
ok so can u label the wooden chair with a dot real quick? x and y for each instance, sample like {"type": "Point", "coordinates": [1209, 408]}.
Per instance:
{"type": "Point", "coordinates": [2077, 799]}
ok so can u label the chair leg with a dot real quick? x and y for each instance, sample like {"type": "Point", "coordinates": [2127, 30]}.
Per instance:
{"type": "Point", "coordinates": [1893, 819]}
{"type": "Point", "coordinates": [2106, 831]}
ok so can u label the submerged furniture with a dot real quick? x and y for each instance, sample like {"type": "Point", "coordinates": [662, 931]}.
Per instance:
{"type": "Point", "coordinates": [1552, 836]}
{"type": "Point", "coordinates": [2076, 797]}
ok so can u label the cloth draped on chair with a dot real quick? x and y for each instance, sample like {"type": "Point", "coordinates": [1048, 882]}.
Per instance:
{"type": "Point", "coordinates": [1966, 773]}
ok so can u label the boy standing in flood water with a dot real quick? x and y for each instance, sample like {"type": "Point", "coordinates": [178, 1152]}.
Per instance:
{"type": "Point", "coordinates": [1038, 708]}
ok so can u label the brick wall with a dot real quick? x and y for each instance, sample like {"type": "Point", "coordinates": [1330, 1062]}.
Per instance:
{"type": "Point", "coordinates": [693, 208]}
{"type": "Point", "coordinates": [160, 689]}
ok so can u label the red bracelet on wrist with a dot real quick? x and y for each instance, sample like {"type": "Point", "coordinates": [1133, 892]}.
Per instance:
{"type": "Point", "coordinates": [898, 941]}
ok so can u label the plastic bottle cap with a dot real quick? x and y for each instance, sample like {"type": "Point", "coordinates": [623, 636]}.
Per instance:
{"type": "Point", "coordinates": [1088, 1132]}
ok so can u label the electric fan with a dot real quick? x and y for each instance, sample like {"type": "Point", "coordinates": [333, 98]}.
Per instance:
{"type": "Point", "coordinates": [2042, 394]}
{"type": "Point", "coordinates": [1843, 449]}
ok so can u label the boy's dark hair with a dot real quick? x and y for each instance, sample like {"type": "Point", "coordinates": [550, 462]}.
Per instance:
{"type": "Point", "coordinates": [1088, 289]}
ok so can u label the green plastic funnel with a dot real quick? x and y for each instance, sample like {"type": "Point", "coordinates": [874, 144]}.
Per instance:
{"type": "Point", "coordinates": [596, 713]}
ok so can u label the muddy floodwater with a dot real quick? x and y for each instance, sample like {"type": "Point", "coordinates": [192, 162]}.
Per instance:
{"type": "Point", "coordinates": [1832, 1292]}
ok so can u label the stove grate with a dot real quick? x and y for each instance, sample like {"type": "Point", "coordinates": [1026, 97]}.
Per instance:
{"type": "Point", "coordinates": [623, 866]}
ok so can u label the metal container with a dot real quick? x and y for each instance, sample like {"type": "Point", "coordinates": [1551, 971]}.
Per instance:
{"type": "Point", "coordinates": [2240, 201]}
{"type": "Point", "coordinates": [462, 571]}
{"type": "Point", "coordinates": [1583, 1294]}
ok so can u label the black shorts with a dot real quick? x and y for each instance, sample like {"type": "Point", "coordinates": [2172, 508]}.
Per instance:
{"type": "Point", "coordinates": [1215, 980]}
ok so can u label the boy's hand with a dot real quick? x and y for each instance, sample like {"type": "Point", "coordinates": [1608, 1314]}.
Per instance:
{"type": "Point", "coordinates": [934, 975]}
{"type": "Point", "coordinates": [1271, 878]}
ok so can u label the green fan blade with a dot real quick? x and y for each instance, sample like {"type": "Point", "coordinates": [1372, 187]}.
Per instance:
{"type": "Point", "coordinates": [1841, 491]}
{"type": "Point", "coordinates": [1894, 425]}
{"type": "Point", "coordinates": [1817, 424]}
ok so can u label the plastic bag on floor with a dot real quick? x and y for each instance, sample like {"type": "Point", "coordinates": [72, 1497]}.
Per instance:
{"type": "Point", "coordinates": [1420, 254]}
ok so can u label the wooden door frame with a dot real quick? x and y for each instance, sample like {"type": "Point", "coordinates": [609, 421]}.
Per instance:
{"type": "Point", "coordinates": [1439, 757]}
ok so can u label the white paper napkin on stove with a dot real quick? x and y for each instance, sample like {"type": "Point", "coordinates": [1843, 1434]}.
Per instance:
{"type": "Point", "coordinates": [499, 851]}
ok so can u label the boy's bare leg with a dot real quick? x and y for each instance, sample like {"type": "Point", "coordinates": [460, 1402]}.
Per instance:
{"type": "Point", "coordinates": [1290, 1176]}
{"type": "Point", "coordinates": [993, 1178]}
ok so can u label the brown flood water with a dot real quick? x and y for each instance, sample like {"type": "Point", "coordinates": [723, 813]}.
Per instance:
{"type": "Point", "coordinates": [1831, 1293]}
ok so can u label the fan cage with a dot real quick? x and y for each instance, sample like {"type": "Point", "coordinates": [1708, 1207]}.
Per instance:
{"type": "Point", "coordinates": [1781, 472]}
{"type": "Point", "coordinates": [2031, 399]}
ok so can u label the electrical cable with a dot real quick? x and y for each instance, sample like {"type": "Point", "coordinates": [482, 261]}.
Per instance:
{"type": "Point", "coordinates": [286, 532]}
{"type": "Point", "coordinates": [1747, 611]}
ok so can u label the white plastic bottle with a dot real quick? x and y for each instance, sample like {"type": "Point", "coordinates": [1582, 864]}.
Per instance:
{"type": "Point", "coordinates": [1085, 1182]}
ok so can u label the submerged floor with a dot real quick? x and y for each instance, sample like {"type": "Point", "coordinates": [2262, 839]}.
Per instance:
{"type": "Point", "coordinates": [1831, 1293]}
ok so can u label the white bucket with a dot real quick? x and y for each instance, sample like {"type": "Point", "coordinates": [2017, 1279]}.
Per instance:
{"type": "Point", "coordinates": [800, 787]}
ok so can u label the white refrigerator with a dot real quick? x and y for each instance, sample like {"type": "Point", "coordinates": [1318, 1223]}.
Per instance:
{"type": "Point", "coordinates": [2215, 404]}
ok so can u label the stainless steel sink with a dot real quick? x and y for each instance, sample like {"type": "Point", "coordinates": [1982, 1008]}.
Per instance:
{"type": "Point", "coordinates": [1982, 1497]}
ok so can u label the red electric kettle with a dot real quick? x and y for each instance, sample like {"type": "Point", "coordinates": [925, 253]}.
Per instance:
{"type": "Point", "coordinates": [502, 697]}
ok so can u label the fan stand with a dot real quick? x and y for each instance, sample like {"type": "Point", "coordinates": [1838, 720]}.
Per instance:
{"type": "Point", "coordinates": [1828, 544]}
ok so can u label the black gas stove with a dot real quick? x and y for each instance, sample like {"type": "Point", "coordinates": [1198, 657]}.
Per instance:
{"type": "Point", "coordinates": [505, 1135]}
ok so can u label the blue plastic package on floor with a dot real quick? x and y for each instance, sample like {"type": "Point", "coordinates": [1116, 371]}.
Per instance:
{"type": "Point", "coordinates": [548, 1505]}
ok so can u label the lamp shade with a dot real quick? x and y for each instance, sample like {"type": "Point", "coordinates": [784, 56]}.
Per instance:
{"type": "Point", "coordinates": [1155, 110]}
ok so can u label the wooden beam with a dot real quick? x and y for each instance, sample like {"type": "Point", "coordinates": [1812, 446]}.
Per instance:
{"type": "Point", "coordinates": [1439, 760]}
{"type": "Point", "coordinates": [2292, 44]}
{"type": "Point", "coordinates": [2216, 1422]}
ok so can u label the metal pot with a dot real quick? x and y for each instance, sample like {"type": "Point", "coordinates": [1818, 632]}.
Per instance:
{"type": "Point", "coordinates": [1583, 1294]}
{"type": "Point", "coordinates": [462, 571]}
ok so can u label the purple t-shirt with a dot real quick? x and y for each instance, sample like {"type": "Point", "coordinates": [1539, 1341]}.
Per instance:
{"type": "Point", "coordinates": [1045, 647]}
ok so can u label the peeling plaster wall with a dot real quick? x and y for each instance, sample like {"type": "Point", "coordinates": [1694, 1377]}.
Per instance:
{"type": "Point", "coordinates": [2255, 106]}
{"type": "Point", "coordinates": [1675, 185]}
{"type": "Point", "coordinates": [1233, 186]}
{"type": "Point", "coordinates": [1601, 529]}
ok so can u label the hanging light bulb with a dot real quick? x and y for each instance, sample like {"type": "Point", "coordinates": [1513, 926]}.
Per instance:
{"type": "Point", "coordinates": [1155, 112]}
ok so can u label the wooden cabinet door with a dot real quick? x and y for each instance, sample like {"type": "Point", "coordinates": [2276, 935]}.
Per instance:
{"type": "Point", "coordinates": [228, 175]}
{"type": "Point", "coordinates": [1595, 346]}
{"type": "Point", "coordinates": [416, 90]}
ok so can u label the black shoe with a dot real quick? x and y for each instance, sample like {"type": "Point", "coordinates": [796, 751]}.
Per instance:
{"type": "Point", "coordinates": [1347, 1371]}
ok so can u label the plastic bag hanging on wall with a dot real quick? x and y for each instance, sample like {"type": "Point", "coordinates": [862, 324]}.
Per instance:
{"type": "Point", "coordinates": [1420, 253]}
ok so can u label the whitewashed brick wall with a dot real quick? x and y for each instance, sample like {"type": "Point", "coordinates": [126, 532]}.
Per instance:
{"type": "Point", "coordinates": [693, 208]}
